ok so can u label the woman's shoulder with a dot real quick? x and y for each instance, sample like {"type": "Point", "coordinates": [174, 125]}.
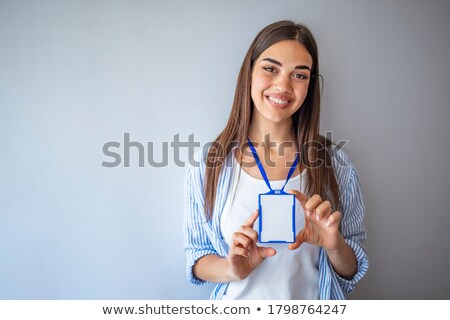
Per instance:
{"type": "Point", "coordinates": [195, 168]}
{"type": "Point", "coordinates": [196, 171]}
{"type": "Point", "coordinates": [198, 162]}
{"type": "Point", "coordinates": [343, 166]}
{"type": "Point", "coordinates": [340, 157]}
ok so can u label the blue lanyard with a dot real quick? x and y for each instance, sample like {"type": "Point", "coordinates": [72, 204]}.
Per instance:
{"type": "Point", "coordinates": [263, 172]}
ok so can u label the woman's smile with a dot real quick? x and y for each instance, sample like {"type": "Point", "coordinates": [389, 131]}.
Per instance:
{"type": "Point", "coordinates": [278, 101]}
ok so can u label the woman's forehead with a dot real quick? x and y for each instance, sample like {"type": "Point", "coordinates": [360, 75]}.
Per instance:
{"type": "Point", "coordinates": [287, 52]}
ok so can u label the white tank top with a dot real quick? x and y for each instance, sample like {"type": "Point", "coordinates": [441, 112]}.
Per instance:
{"type": "Point", "coordinates": [290, 274]}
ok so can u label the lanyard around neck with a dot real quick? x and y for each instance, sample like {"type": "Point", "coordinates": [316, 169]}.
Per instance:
{"type": "Point", "coordinates": [263, 172]}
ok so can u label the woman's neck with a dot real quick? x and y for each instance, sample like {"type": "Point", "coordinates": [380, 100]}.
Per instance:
{"type": "Point", "coordinates": [276, 145]}
{"type": "Point", "coordinates": [266, 131]}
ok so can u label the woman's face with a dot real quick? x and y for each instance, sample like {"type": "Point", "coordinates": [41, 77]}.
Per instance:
{"type": "Point", "coordinates": [280, 79]}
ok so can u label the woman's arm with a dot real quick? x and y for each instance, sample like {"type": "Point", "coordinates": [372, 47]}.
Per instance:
{"type": "Point", "coordinates": [213, 268]}
{"type": "Point", "coordinates": [351, 226]}
{"type": "Point", "coordinates": [343, 260]}
{"type": "Point", "coordinates": [244, 256]}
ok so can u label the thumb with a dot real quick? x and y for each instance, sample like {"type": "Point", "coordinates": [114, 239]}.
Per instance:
{"type": "Point", "coordinates": [265, 252]}
{"type": "Point", "coordinates": [298, 240]}
{"type": "Point", "coordinates": [301, 197]}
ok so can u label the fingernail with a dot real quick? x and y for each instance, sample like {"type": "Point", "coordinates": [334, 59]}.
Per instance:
{"type": "Point", "coordinates": [328, 223]}
{"type": "Point", "coordinates": [317, 217]}
{"type": "Point", "coordinates": [308, 213]}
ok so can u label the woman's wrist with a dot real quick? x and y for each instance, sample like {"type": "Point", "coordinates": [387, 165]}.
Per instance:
{"type": "Point", "coordinates": [338, 248]}
{"type": "Point", "coordinates": [343, 259]}
{"type": "Point", "coordinates": [229, 274]}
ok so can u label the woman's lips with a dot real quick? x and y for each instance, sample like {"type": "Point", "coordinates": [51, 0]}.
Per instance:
{"type": "Point", "coordinates": [278, 102]}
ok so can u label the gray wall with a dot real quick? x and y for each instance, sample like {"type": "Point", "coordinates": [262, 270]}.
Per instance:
{"type": "Point", "coordinates": [77, 74]}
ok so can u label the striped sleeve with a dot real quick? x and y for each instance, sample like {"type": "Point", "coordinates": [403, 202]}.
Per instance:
{"type": "Point", "coordinates": [352, 228]}
{"type": "Point", "coordinates": [196, 242]}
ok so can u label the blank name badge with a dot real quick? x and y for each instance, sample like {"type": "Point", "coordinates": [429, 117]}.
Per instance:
{"type": "Point", "coordinates": [277, 218]}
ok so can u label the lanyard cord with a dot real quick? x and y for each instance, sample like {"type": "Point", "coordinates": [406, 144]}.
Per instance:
{"type": "Point", "coordinates": [263, 172]}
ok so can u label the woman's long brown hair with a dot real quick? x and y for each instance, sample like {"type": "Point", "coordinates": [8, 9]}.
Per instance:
{"type": "Point", "coordinates": [313, 147]}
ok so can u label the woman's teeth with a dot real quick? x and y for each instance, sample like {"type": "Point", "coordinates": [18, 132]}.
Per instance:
{"type": "Point", "coordinates": [279, 101]}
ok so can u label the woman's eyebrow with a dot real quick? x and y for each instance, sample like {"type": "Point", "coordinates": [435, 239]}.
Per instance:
{"type": "Point", "coordinates": [301, 67]}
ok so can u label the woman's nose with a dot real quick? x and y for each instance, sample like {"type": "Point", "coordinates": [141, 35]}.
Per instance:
{"type": "Point", "coordinates": [283, 83]}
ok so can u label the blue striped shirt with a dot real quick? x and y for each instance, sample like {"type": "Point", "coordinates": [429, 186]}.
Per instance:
{"type": "Point", "coordinates": [203, 237]}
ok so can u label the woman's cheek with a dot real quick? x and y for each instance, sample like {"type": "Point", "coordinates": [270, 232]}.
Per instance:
{"type": "Point", "coordinates": [262, 82]}
{"type": "Point", "coordinates": [302, 91]}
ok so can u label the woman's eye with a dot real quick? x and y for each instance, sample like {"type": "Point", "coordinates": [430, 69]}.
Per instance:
{"type": "Point", "coordinates": [269, 69]}
{"type": "Point", "coordinates": [301, 76]}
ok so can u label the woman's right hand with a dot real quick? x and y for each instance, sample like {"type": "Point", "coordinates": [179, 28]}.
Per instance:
{"type": "Point", "coordinates": [244, 255]}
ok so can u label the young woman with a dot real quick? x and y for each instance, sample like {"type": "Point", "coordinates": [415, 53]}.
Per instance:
{"type": "Point", "coordinates": [276, 110]}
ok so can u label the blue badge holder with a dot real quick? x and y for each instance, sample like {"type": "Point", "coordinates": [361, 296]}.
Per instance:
{"type": "Point", "coordinates": [276, 217]}
{"type": "Point", "coordinates": [276, 209]}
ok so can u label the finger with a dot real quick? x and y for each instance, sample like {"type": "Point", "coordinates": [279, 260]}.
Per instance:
{"type": "Point", "coordinates": [334, 219]}
{"type": "Point", "coordinates": [301, 197]}
{"type": "Point", "coordinates": [298, 241]}
{"type": "Point", "coordinates": [238, 251]}
{"type": "Point", "coordinates": [323, 211]}
{"type": "Point", "coordinates": [266, 252]}
{"type": "Point", "coordinates": [251, 220]}
{"type": "Point", "coordinates": [249, 232]}
{"type": "Point", "coordinates": [312, 204]}
{"type": "Point", "coordinates": [240, 240]}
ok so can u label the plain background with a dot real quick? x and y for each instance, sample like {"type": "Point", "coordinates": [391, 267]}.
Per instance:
{"type": "Point", "coordinates": [77, 74]}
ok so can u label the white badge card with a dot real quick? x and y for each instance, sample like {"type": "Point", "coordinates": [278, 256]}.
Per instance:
{"type": "Point", "coordinates": [277, 218]}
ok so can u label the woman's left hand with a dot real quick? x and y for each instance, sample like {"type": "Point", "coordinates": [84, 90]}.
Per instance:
{"type": "Point", "coordinates": [321, 225]}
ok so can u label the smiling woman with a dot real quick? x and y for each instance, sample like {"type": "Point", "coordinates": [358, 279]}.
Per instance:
{"type": "Point", "coordinates": [276, 104]}
{"type": "Point", "coordinates": [280, 81]}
